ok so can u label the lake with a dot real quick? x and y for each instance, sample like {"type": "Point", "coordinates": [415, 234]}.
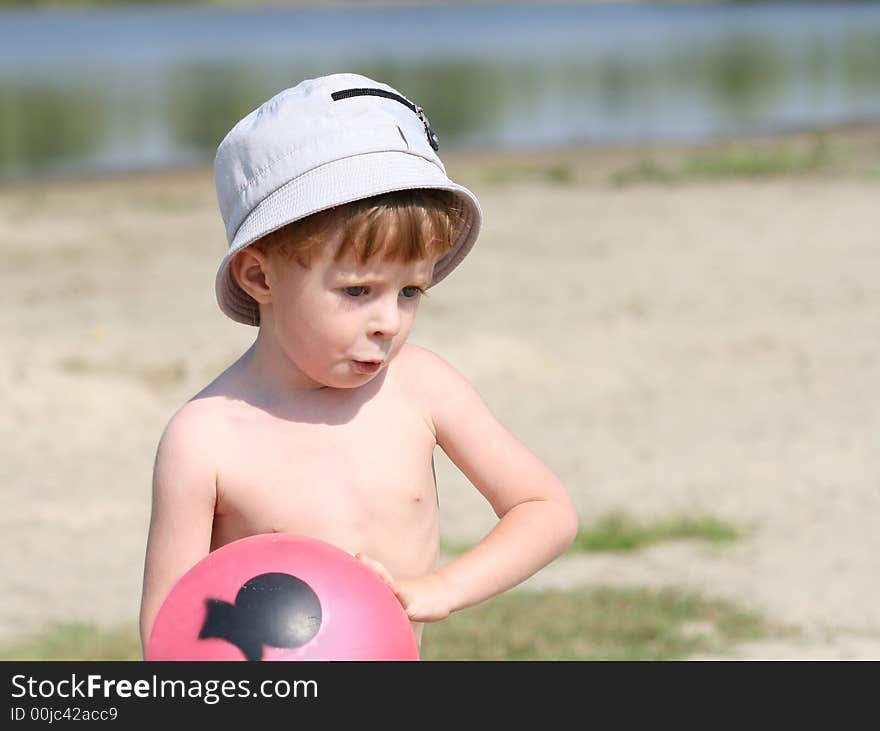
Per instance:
{"type": "Point", "coordinates": [139, 88]}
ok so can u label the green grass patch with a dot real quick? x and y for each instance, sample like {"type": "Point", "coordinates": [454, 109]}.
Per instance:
{"type": "Point", "coordinates": [593, 624]}
{"type": "Point", "coordinates": [586, 624]}
{"type": "Point", "coordinates": [76, 642]}
{"type": "Point", "coordinates": [617, 532]}
{"type": "Point", "coordinates": [743, 160]}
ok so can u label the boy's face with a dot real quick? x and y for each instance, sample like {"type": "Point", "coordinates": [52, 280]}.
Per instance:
{"type": "Point", "coordinates": [340, 323]}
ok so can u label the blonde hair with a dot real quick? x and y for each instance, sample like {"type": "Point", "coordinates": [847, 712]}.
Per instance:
{"type": "Point", "coordinates": [404, 226]}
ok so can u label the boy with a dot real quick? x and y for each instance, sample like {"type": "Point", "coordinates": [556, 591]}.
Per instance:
{"type": "Point", "coordinates": [339, 215]}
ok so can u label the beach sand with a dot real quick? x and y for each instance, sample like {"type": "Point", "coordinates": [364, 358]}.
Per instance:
{"type": "Point", "coordinates": [700, 348]}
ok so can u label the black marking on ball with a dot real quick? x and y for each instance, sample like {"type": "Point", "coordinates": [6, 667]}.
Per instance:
{"type": "Point", "coordinates": [274, 609]}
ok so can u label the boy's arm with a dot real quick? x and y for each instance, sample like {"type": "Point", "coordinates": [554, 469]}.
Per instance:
{"type": "Point", "coordinates": [184, 497]}
{"type": "Point", "coordinates": [537, 519]}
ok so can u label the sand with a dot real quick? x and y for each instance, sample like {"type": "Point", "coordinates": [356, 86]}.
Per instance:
{"type": "Point", "coordinates": [703, 348]}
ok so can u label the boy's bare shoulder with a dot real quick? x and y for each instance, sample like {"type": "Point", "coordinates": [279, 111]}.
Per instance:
{"type": "Point", "coordinates": [429, 377]}
{"type": "Point", "coordinates": [198, 429]}
{"type": "Point", "coordinates": [210, 412]}
{"type": "Point", "coordinates": [198, 416]}
{"type": "Point", "coordinates": [446, 393]}
{"type": "Point", "coordinates": [416, 364]}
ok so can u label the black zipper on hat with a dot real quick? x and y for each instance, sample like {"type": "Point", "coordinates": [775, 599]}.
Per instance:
{"type": "Point", "coordinates": [433, 140]}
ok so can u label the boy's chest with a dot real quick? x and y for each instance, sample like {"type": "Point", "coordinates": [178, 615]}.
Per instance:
{"type": "Point", "coordinates": [348, 475]}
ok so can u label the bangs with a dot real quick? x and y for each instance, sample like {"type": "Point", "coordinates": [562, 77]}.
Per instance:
{"type": "Point", "coordinates": [402, 226]}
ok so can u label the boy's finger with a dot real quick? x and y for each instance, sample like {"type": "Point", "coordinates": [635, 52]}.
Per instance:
{"type": "Point", "coordinates": [384, 574]}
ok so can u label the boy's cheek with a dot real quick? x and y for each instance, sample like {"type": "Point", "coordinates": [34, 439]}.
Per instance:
{"type": "Point", "coordinates": [399, 342]}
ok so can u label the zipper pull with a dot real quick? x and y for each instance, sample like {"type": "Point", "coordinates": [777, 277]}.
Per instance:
{"type": "Point", "coordinates": [433, 140]}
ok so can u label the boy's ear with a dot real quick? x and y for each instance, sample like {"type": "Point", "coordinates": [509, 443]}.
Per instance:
{"type": "Point", "coordinates": [250, 267]}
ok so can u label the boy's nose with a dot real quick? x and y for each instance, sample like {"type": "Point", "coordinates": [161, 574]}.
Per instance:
{"type": "Point", "coordinates": [385, 321]}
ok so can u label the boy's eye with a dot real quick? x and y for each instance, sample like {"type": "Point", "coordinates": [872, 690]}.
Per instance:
{"type": "Point", "coordinates": [355, 291]}
{"type": "Point", "coordinates": [410, 292]}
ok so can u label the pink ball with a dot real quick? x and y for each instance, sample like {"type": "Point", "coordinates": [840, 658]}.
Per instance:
{"type": "Point", "coordinates": [281, 597]}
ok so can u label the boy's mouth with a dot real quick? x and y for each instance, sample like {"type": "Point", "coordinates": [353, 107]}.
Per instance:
{"type": "Point", "coordinates": [366, 366]}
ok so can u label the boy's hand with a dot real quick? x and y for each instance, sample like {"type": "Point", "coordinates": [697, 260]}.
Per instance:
{"type": "Point", "coordinates": [425, 599]}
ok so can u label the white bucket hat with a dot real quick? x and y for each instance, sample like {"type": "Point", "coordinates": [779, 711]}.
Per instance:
{"type": "Point", "coordinates": [319, 144]}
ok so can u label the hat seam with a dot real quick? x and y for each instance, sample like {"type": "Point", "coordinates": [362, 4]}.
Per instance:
{"type": "Point", "coordinates": [257, 205]}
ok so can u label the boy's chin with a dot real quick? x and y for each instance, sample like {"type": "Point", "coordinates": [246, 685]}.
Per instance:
{"type": "Point", "coordinates": [359, 376]}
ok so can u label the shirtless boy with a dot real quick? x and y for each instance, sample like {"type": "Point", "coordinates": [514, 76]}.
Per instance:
{"type": "Point", "coordinates": [339, 215]}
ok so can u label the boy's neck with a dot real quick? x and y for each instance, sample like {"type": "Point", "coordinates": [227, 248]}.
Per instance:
{"type": "Point", "coordinates": [258, 379]}
{"type": "Point", "coordinates": [264, 364]}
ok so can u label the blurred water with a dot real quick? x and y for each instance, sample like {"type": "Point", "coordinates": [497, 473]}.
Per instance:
{"type": "Point", "coordinates": [144, 88]}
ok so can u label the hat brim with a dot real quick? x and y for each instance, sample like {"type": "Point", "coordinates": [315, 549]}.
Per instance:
{"type": "Point", "coordinates": [333, 184]}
